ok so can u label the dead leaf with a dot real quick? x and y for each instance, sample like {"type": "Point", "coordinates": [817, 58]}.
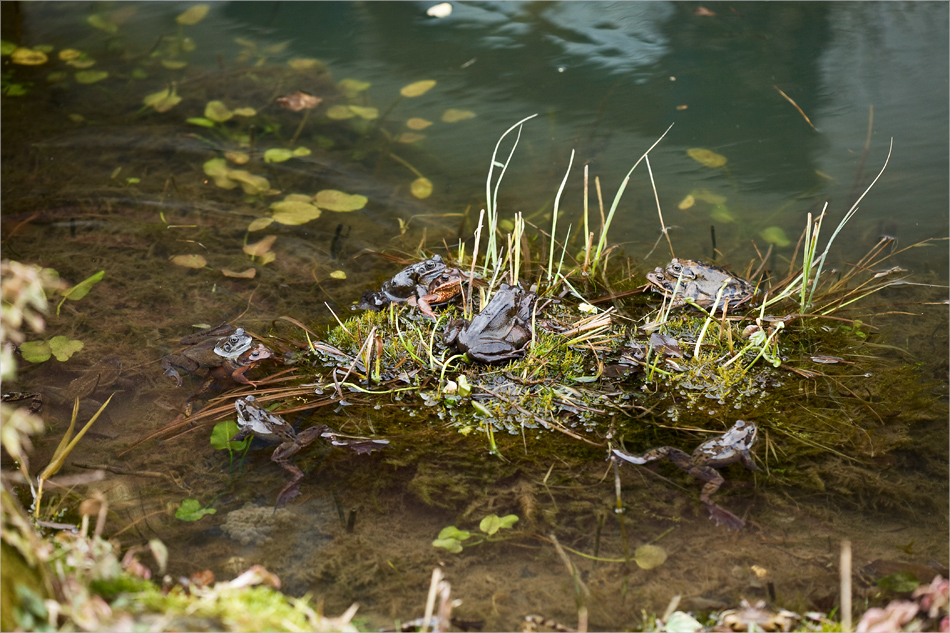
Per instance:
{"type": "Point", "coordinates": [299, 101]}
{"type": "Point", "coordinates": [707, 157]}
{"type": "Point", "coordinates": [189, 261]}
{"type": "Point", "coordinates": [250, 273]}
{"type": "Point", "coordinates": [258, 249]}
{"type": "Point", "coordinates": [454, 116]}
{"type": "Point", "coordinates": [417, 88]}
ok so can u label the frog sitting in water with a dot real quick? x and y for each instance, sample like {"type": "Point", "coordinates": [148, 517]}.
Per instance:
{"type": "Point", "coordinates": [224, 351]}
{"type": "Point", "coordinates": [422, 284]}
{"type": "Point", "coordinates": [500, 331]}
{"type": "Point", "coordinates": [733, 446]}
{"type": "Point", "coordinates": [253, 420]}
{"type": "Point", "coordinates": [701, 283]}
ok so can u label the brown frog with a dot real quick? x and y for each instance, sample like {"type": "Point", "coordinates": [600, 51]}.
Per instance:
{"type": "Point", "coordinates": [253, 420]}
{"type": "Point", "coordinates": [421, 284]}
{"type": "Point", "coordinates": [732, 446]}
{"type": "Point", "coordinates": [212, 349]}
{"type": "Point", "coordinates": [701, 283]}
{"type": "Point", "coordinates": [500, 332]}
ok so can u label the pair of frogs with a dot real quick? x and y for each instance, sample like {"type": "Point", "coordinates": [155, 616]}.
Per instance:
{"type": "Point", "coordinates": [708, 286]}
{"type": "Point", "coordinates": [497, 334]}
{"type": "Point", "coordinates": [227, 353]}
{"type": "Point", "coordinates": [732, 446]}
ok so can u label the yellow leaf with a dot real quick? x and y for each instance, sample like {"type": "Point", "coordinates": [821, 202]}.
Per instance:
{"type": "Point", "coordinates": [303, 63]}
{"type": "Point", "coordinates": [352, 87]}
{"type": "Point", "coordinates": [708, 196]}
{"type": "Point", "coordinates": [421, 188]}
{"type": "Point", "coordinates": [292, 212]}
{"type": "Point", "coordinates": [189, 261]}
{"type": "Point", "coordinates": [194, 15]}
{"type": "Point", "coordinates": [81, 63]}
{"type": "Point", "coordinates": [251, 184]}
{"type": "Point", "coordinates": [245, 112]}
{"type": "Point", "coordinates": [334, 200]}
{"type": "Point", "coordinates": [268, 257]}
{"type": "Point", "coordinates": [686, 202]}
{"type": "Point", "coordinates": [338, 274]}
{"type": "Point", "coordinates": [259, 223]}
{"type": "Point", "coordinates": [69, 53]}
{"type": "Point", "coordinates": [340, 112]}
{"type": "Point", "coordinates": [415, 123]}
{"type": "Point", "coordinates": [454, 116]}
{"type": "Point", "coordinates": [215, 167]}
{"type": "Point", "coordinates": [417, 88]}
{"type": "Point", "coordinates": [259, 248]}
{"type": "Point", "coordinates": [365, 112]}
{"type": "Point", "coordinates": [245, 274]}
{"type": "Point", "coordinates": [28, 57]}
{"type": "Point", "coordinates": [410, 137]}
{"type": "Point", "coordinates": [217, 111]}
{"type": "Point", "coordinates": [649, 556]}
{"type": "Point", "coordinates": [775, 235]}
{"type": "Point", "coordinates": [706, 157]}
{"type": "Point", "coordinates": [163, 100]}
{"type": "Point", "coordinates": [238, 158]}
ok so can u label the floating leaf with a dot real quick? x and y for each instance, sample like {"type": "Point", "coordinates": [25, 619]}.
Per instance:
{"type": "Point", "coordinates": [302, 151]}
{"type": "Point", "coordinates": [706, 157]}
{"type": "Point", "coordinates": [7, 48]}
{"type": "Point", "coordinates": [189, 261]}
{"type": "Point", "coordinates": [334, 200]}
{"type": "Point", "coordinates": [421, 188]}
{"type": "Point", "coordinates": [251, 184]}
{"type": "Point", "coordinates": [99, 22]}
{"type": "Point", "coordinates": [365, 112]}
{"type": "Point", "coordinates": [340, 112]}
{"type": "Point", "coordinates": [450, 544]}
{"type": "Point", "coordinates": [200, 120]}
{"type": "Point", "coordinates": [721, 213]}
{"type": "Point", "coordinates": [245, 112]}
{"type": "Point", "coordinates": [259, 223]}
{"type": "Point", "coordinates": [415, 123]}
{"type": "Point", "coordinates": [277, 155]}
{"type": "Point", "coordinates": [708, 196]}
{"type": "Point", "coordinates": [81, 289]}
{"type": "Point", "coordinates": [292, 212]}
{"type": "Point", "coordinates": [338, 274]}
{"type": "Point", "coordinates": [775, 235]}
{"type": "Point", "coordinates": [306, 63]}
{"type": "Point", "coordinates": [298, 197]}
{"type": "Point", "coordinates": [63, 348]}
{"type": "Point", "coordinates": [191, 510]}
{"type": "Point", "coordinates": [222, 433]}
{"type": "Point", "coordinates": [267, 258]}
{"type": "Point", "coordinates": [492, 523]}
{"type": "Point", "coordinates": [238, 158]}
{"type": "Point", "coordinates": [649, 556]}
{"type": "Point", "coordinates": [216, 168]}
{"type": "Point", "coordinates": [250, 273]}
{"type": "Point", "coordinates": [259, 248]}
{"type": "Point", "coordinates": [410, 137]}
{"type": "Point", "coordinates": [174, 64]}
{"type": "Point", "coordinates": [298, 101]}
{"type": "Point", "coordinates": [28, 57]}
{"type": "Point", "coordinates": [686, 203]}
{"type": "Point", "coordinates": [417, 88]}
{"type": "Point", "coordinates": [90, 76]}
{"type": "Point", "coordinates": [35, 351]}
{"type": "Point", "coordinates": [69, 53]}
{"type": "Point", "coordinates": [81, 63]}
{"type": "Point", "coordinates": [217, 111]}
{"type": "Point", "coordinates": [163, 100]}
{"type": "Point", "coordinates": [454, 533]}
{"type": "Point", "coordinates": [454, 116]}
{"type": "Point", "coordinates": [352, 87]}
{"type": "Point", "coordinates": [194, 15]}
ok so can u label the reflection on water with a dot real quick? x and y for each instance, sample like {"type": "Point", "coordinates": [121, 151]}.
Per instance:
{"type": "Point", "coordinates": [94, 179]}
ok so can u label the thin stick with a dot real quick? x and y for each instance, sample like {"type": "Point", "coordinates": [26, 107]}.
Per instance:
{"type": "Point", "coordinates": [659, 211]}
{"type": "Point", "coordinates": [807, 120]}
{"type": "Point", "coordinates": [557, 201]}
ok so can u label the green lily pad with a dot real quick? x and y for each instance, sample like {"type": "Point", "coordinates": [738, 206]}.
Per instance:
{"type": "Point", "coordinates": [200, 120]}
{"type": "Point", "coordinates": [352, 87]}
{"type": "Point", "coordinates": [450, 544]}
{"type": "Point", "coordinates": [194, 15]}
{"type": "Point", "coordinates": [334, 200]}
{"type": "Point", "coordinates": [421, 188]}
{"type": "Point", "coordinates": [649, 556]}
{"type": "Point", "coordinates": [245, 112]}
{"type": "Point", "coordinates": [721, 213]}
{"type": "Point", "coordinates": [492, 523]}
{"type": "Point", "coordinates": [259, 223]}
{"type": "Point", "coordinates": [292, 212]}
{"type": "Point", "coordinates": [99, 22]}
{"type": "Point", "coordinates": [63, 348]}
{"type": "Point", "coordinates": [35, 351]}
{"type": "Point", "coordinates": [7, 48]}
{"type": "Point", "coordinates": [251, 184]}
{"type": "Point", "coordinates": [775, 235]}
{"type": "Point", "coordinates": [191, 510]}
{"type": "Point", "coordinates": [340, 112]}
{"type": "Point", "coordinates": [218, 112]}
{"type": "Point", "coordinates": [163, 100]}
{"type": "Point", "coordinates": [302, 151]}
{"type": "Point", "coordinates": [277, 155]}
{"type": "Point", "coordinates": [221, 436]}
{"type": "Point", "coordinates": [365, 112]}
{"type": "Point", "coordinates": [90, 76]}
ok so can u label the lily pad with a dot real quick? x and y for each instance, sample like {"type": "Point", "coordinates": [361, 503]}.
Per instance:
{"type": "Point", "coordinates": [707, 157]}
{"type": "Point", "coordinates": [686, 203]}
{"type": "Point", "coordinates": [258, 249]}
{"type": "Point", "coordinates": [250, 273]}
{"type": "Point", "coordinates": [708, 196]}
{"type": "Point", "coordinates": [365, 112]}
{"type": "Point", "coordinates": [416, 123]}
{"type": "Point", "coordinates": [421, 188]}
{"type": "Point", "coordinates": [90, 76]}
{"type": "Point", "coordinates": [417, 88]}
{"type": "Point", "coordinates": [338, 274]}
{"type": "Point", "coordinates": [238, 158]}
{"type": "Point", "coordinates": [352, 87]}
{"type": "Point", "coordinates": [492, 523]}
{"type": "Point", "coordinates": [291, 212]}
{"type": "Point", "coordinates": [775, 235]}
{"type": "Point", "coordinates": [99, 22]}
{"type": "Point", "coordinates": [81, 63]}
{"type": "Point", "coordinates": [410, 137]}
{"type": "Point", "coordinates": [259, 223]}
{"type": "Point", "coordinates": [334, 200]}
{"type": "Point", "coordinates": [35, 351]}
{"type": "Point", "coordinates": [218, 112]}
{"type": "Point", "coordinates": [191, 510]}
{"type": "Point", "coordinates": [251, 184]}
{"type": "Point", "coordinates": [454, 116]}
{"type": "Point", "coordinates": [649, 556]}
{"type": "Point", "coordinates": [277, 155]}
{"type": "Point", "coordinates": [7, 48]}
{"type": "Point", "coordinates": [69, 53]}
{"type": "Point", "coordinates": [340, 113]}
{"type": "Point", "coordinates": [222, 433]}
{"type": "Point", "coordinates": [63, 348]}
{"type": "Point", "coordinates": [194, 15]}
{"type": "Point", "coordinates": [28, 57]}
{"type": "Point", "coordinates": [302, 151]}
{"type": "Point", "coordinates": [721, 213]}
{"type": "Point", "coordinates": [245, 112]}
{"type": "Point", "coordinates": [189, 261]}
{"type": "Point", "coordinates": [163, 100]}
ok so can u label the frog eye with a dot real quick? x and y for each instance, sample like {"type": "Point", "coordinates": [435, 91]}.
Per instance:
{"type": "Point", "coordinates": [676, 268]}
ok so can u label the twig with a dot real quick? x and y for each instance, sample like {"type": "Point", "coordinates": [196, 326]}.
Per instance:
{"type": "Point", "coordinates": [790, 100]}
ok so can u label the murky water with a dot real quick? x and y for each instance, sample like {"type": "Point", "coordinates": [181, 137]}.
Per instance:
{"type": "Point", "coordinates": [93, 179]}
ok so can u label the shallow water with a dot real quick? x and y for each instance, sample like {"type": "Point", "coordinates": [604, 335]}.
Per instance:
{"type": "Point", "coordinates": [607, 80]}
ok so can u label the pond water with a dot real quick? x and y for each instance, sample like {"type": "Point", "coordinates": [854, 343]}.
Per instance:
{"type": "Point", "coordinates": [802, 99]}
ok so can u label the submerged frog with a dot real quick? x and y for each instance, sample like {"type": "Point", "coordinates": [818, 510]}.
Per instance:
{"type": "Point", "coordinates": [212, 349]}
{"type": "Point", "coordinates": [701, 283]}
{"type": "Point", "coordinates": [732, 446]}
{"type": "Point", "coordinates": [253, 420]}
{"type": "Point", "coordinates": [500, 331]}
{"type": "Point", "coordinates": [422, 284]}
